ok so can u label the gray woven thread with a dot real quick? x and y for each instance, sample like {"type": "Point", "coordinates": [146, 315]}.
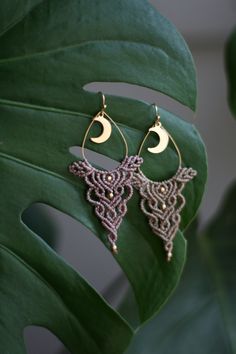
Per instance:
{"type": "Point", "coordinates": [104, 184]}
{"type": "Point", "coordinates": [162, 203]}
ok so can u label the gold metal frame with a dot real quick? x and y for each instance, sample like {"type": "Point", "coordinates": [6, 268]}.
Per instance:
{"type": "Point", "coordinates": [105, 115]}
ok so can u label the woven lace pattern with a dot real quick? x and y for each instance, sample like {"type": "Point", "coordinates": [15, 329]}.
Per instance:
{"type": "Point", "coordinates": [108, 191]}
{"type": "Point", "coordinates": [162, 203]}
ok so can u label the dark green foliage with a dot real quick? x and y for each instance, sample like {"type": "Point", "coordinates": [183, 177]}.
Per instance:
{"type": "Point", "coordinates": [49, 50]}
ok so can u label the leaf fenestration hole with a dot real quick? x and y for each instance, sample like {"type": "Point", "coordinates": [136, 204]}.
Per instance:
{"type": "Point", "coordinates": [39, 218]}
{"type": "Point", "coordinates": [78, 246]}
{"type": "Point", "coordinates": [140, 93]}
{"type": "Point", "coordinates": [95, 158]}
{"type": "Point", "coordinates": [39, 340]}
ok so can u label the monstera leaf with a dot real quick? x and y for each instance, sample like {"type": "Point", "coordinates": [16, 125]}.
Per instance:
{"type": "Point", "coordinates": [202, 309]}
{"type": "Point", "coordinates": [49, 50]}
{"type": "Point", "coordinates": [231, 71]}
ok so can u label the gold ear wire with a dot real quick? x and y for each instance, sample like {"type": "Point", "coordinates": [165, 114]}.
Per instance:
{"type": "Point", "coordinates": [103, 118]}
{"type": "Point", "coordinates": [162, 133]}
{"type": "Point", "coordinates": [158, 117]}
{"type": "Point", "coordinates": [104, 106]}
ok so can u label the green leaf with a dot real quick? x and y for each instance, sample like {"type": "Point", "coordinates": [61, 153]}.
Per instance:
{"type": "Point", "coordinates": [38, 220]}
{"type": "Point", "coordinates": [231, 71]}
{"type": "Point", "coordinates": [14, 11]}
{"type": "Point", "coordinates": [92, 43]}
{"type": "Point", "coordinates": [201, 314]}
{"type": "Point", "coordinates": [49, 51]}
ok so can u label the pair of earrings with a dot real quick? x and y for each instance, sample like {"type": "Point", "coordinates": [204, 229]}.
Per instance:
{"type": "Point", "coordinates": [109, 191]}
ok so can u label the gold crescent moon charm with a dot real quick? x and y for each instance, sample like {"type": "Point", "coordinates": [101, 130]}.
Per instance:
{"type": "Point", "coordinates": [106, 132]}
{"type": "Point", "coordinates": [163, 136]}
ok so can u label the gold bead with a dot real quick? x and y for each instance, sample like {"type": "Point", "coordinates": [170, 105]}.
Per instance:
{"type": "Point", "coordinates": [110, 195]}
{"type": "Point", "coordinates": [164, 206]}
{"type": "Point", "coordinates": [169, 256]}
{"type": "Point", "coordinates": [162, 189]}
{"type": "Point", "coordinates": [114, 248]}
{"type": "Point", "coordinates": [109, 178]}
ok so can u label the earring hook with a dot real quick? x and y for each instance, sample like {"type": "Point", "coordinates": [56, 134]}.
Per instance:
{"type": "Point", "coordinates": [158, 117]}
{"type": "Point", "coordinates": [104, 106]}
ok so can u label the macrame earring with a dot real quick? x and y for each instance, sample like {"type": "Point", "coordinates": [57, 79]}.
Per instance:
{"type": "Point", "coordinates": [163, 201]}
{"type": "Point", "coordinates": [108, 191]}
